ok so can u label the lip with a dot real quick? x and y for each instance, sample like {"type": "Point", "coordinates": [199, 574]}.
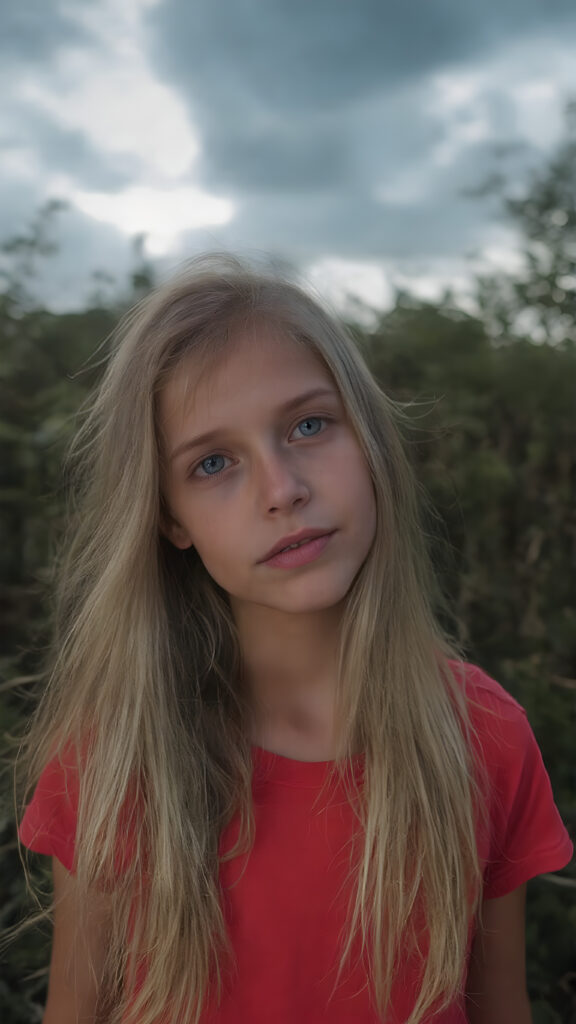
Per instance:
{"type": "Point", "coordinates": [295, 538]}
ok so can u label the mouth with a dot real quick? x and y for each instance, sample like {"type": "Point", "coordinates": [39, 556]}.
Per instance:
{"type": "Point", "coordinates": [296, 540]}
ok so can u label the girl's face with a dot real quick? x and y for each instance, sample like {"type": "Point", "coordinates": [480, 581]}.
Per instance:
{"type": "Point", "coordinates": [259, 455]}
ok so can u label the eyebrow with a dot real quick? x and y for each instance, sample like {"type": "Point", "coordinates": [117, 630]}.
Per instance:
{"type": "Point", "coordinates": [211, 436]}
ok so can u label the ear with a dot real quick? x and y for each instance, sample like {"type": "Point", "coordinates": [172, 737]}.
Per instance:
{"type": "Point", "coordinates": [174, 532]}
{"type": "Point", "coordinates": [179, 537]}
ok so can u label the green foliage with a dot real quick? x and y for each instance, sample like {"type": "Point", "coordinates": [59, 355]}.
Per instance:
{"type": "Point", "coordinates": [49, 363]}
{"type": "Point", "coordinates": [493, 438]}
{"type": "Point", "coordinates": [492, 433]}
{"type": "Point", "coordinates": [542, 296]}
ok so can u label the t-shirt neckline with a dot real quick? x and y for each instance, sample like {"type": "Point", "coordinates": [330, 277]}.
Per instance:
{"type": "Point", "coordinates": [277, 768]}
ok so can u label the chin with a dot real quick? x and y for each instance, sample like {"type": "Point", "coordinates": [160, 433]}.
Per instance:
{"type": "Point", "coordinates": [315, 599]}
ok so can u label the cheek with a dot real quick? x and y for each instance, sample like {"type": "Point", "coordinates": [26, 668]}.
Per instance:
{"type": "Point", "coordinates": [365, 500]}
{"type": "Point", "coordinates": [356, 477]}
{"type": "Point", "coordinates": [215, 543]}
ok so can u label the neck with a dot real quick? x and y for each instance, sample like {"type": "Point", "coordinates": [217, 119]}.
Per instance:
{"type": "Point", "coordinates": [290, 671]}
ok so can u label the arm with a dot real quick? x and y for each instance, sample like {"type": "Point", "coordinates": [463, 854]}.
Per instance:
{"type": "Point", "coordinates": [496, 987]}
{"type": "Point", "coordinates": [77, 960]}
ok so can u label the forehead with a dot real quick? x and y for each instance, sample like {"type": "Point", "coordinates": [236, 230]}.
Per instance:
{"type": "Point", "coordinates": [254, 370]}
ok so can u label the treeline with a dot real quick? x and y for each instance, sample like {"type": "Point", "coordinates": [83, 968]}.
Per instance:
{"type": "Point", "coordinates": [490, 399]}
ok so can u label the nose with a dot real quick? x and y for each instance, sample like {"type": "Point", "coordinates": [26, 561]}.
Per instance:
{"type": "Point", "coordinates": [281, 486]}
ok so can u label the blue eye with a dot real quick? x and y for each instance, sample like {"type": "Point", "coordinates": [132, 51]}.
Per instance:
{"type": "Point", "coordinates": [212, 465]}
{"type": "Point", "coordinates": [310, 426]}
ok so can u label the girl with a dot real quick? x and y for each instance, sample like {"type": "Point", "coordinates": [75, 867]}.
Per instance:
{"type": "Point", "coordinates": [272, 790]}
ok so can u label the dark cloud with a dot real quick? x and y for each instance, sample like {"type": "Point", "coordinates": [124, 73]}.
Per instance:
{"type": "Point", "coordinates": [316, 117]}
{"type": "Point", "coordinates": [344, 223]}
{"type": "Point", "coordinates": [292, 96]}
{"type": "Point", "coordinates": [59, 149]}
{"type": "Point", "coordinates": [350, 221]}
{"type": "Point", "coordinates": [277, 157]}
{"type": "Point", "coordinates": [294, 55]}
{"type": "Point", "coordinates": [33, 31]}
{"type": "Point", "coordinates": [275, 89]}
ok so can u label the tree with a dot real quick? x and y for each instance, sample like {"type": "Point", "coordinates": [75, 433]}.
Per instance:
{"type": "Point", "coordinates": [541, 299]}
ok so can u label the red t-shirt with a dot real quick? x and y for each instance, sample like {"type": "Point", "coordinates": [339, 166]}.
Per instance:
{"type": "Point", "coordinates": [285, 903]}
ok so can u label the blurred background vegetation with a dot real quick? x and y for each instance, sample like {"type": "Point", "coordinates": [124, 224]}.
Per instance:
{"type": "Point", "coordinates": [494, 443]}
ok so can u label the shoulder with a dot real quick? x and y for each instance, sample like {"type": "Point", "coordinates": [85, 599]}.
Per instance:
{"type": "Point", "coordinates": [525, 835]}
{"type": "Point", "coordinates": [49, 822]}
{"type": "Point", "coordinates": [485, 694]}
{"type": "Point", "coordinates": [500, 734]}
{"type": "Point", "coordinates": [499, 724]}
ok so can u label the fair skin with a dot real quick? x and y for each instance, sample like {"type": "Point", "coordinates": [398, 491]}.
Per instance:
{"type": "Point", "coordinates": [76, 963]}
{"type": "Point", "coordinates": [281, 458]}
{"type": "Point", "coordinates": [496, 987]}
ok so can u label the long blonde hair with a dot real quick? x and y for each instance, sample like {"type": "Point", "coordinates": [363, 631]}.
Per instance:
{"type": "Point", "coordinates": [143, 684]}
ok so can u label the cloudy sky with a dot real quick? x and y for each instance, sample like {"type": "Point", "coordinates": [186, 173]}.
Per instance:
{"type": "Point", "coordinates": [341, 135]}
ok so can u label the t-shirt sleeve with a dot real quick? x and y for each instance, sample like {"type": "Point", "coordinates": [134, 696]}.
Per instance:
{"type": "Point", "coordinates": [527, 835]}
{"type": "Point", "coordinates": [49, 822]}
